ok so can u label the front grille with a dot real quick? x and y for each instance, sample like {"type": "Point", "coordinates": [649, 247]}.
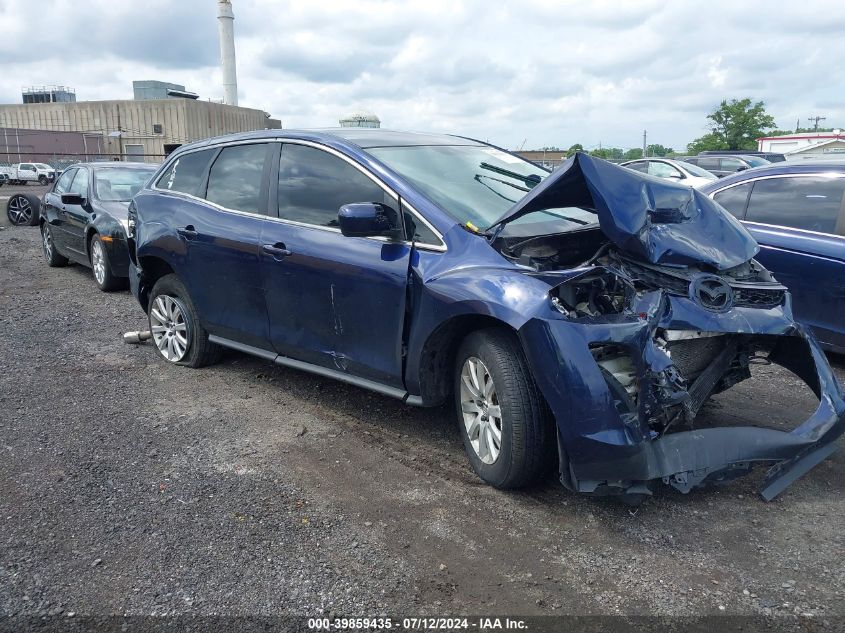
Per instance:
{"type": "Point", "coordinates": [692, 356]}
{"type": "Point", "coordinates": [758, 297]}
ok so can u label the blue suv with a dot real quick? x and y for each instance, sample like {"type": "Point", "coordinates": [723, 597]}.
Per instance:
{"type": "Point", "coordinates": [578, 320]}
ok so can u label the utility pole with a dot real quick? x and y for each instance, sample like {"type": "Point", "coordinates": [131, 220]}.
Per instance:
{"type": "Point", "coordinates": [644, 143]}
{"type": "Point", "coordinates": [815, 120]}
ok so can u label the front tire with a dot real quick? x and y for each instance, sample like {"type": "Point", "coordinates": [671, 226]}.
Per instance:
{"type": "Point", "coordinates": [101, 266]}
{"type": "Point", "coordinates": [506, 426]}
{"type": "Point", "coordinates": [48, 247]}
{"type": "Point", "coordinates": [42, 180]}
{"type": "Point", "coordinates": [175, 325]}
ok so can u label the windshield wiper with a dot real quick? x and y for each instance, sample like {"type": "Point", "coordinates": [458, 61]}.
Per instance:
{"type": "Point", "coordinates": [531, 180]}
{"type": "Point", "coordinates": [478, 179]}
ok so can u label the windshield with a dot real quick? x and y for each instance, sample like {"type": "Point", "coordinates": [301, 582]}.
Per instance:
{"type": "Point", "coordinates": [42, 166]}
{"type": "Point", "coordinates": [756, 161]}
{"type": "Point", "coordinates": [695, 170]}
{"type": "Point", "coordinates": [478, 184]}
{"type": "Point", "coordinates": [119, 184]}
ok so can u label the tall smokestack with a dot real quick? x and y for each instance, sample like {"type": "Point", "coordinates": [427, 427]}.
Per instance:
{"type": "Point", "coordinates": [226, 32]}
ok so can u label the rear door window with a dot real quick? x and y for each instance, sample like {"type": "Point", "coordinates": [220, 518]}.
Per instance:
{"type": "Point", "coordinates": [314, 184]}
{"type": "Point", "coordinates": [732, 164]}
{"type": "Point", "coordinates": [733, 199]}
{"type": "Point", "coordinates": [236, 178]}
{"type": "Point", "coordinates": [812, 203]}
{"type": "Point", "coordinates": [707, 163]}
{"type": "Point", "coordinates": [186, 174]}
{"type": "Point", "coordinates": [662, 170]}
{"type": "Point", "coordinates": [641, 166]}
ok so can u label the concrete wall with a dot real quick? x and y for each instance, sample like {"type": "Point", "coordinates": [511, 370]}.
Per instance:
{"type": "Point", "coordinates": [182, 121]}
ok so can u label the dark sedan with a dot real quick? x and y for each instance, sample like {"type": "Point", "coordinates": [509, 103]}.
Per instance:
{"type": "Point", "coordinates": [796, 212]}
{"type": "Point", "coordinates": [83, 218]}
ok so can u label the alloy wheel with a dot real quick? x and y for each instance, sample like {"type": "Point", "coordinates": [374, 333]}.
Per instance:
{"type": "Point", "coordinates": [47, 242]}
{"type": "Point", "coordinates": [480, 409]}
{"type": "Point", "coordinates": [98, 261]}
{"type": "Point", "coordinates": [169, 327]}
{"type": "Point", "coordinates": [20, 210]}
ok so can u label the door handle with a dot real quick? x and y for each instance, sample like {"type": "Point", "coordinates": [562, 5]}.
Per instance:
{"type": "Point", "coordinates": [189, 232]}
{"type": "Point", "coordinates": [277, 250]}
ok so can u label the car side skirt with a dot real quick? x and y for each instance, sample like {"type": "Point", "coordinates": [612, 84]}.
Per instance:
{"type": "Point", "coordinates": [364, 383]}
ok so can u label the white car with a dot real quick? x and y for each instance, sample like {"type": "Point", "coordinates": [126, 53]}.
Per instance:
{"type": "Point", "coordinates": [23, 173]}
{"type": "Point", "coordinates": [685, 173]}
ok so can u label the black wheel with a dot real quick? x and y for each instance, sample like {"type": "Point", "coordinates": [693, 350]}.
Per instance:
{"type": "Point", "coordinates": [42, 180]}
{"type": "Point", "coordinates": [506, 426]}
{"type": "Point", "coordinates": [54, 259]}
{"type": "Point", "coordinates": [101, 266]}
{"type": "Point", "coordinates": [23, 209]}
{"type": "Point", "coordinates": [177, 333]}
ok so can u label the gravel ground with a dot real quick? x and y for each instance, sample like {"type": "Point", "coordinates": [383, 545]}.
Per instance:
{"type": "Point", "coordinates": [128, 486]}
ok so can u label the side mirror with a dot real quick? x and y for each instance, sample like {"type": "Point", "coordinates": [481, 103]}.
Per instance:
{"type": "Point", "coordinates": [743, 168]}
{"type": "Point", "coordinates": [72, 198]}
{"type": "Point", "coordinates": [677, 176]}
{"type": "Point", "coordinates": [369, 219]}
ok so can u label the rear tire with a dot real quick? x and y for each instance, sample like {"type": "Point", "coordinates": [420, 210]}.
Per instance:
{"type": "Point", "coordinates": [54, 259]}
{"type": "Point", "coordinates": [506, 426]}
{"type": "Point", "coordinates": [175, 325]}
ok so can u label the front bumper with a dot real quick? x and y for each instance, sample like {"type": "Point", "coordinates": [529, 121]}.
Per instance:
{"type": "Point", "coordinates": [605, 451]}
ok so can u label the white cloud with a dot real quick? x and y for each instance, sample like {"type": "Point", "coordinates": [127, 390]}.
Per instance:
{"type": "Point", "coordinates": [550, 71]}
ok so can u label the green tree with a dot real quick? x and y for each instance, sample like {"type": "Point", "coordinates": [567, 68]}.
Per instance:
{"type": "Point", "coordinates": [608, 152]}
{"type": "Point", "coordinates": [657, 150]}
{"type": "Point", "coordinates": [735, 124]}
{"type": "Point", "coordinates": [574, 148]}
{"type": "Point", "coordinates": [633, 154]}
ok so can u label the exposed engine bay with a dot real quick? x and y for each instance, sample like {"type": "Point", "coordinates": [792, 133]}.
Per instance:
{"type": "Point", "coordinates": [665, 393]}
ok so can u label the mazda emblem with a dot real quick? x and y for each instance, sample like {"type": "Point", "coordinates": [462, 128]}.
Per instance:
{"type": "Point", "coordinates": [711, 293]}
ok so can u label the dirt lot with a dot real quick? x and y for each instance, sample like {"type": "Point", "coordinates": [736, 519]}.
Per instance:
{"type": "Point", "coordinates": [128, 486]}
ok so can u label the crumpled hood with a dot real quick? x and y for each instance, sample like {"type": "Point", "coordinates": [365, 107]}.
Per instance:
{"type": "Point", "coordinates": [657, 220]}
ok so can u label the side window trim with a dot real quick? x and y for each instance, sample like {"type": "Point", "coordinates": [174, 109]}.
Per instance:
{"type": "Point", "coordinates": [263, 195]}
{"type": "Point", "coordinates": [273, 189]}
{"type": "Point", "coordinates": [747, 195]}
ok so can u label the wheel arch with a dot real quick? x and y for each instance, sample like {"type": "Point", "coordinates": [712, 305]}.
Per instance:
{"type": "Point", "coordinates": [437, 355]}
{"type": "Point", "coordinates": [154, 268]}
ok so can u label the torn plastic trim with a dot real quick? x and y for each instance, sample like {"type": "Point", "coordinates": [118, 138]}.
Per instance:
{"type": "Point", "coordinates": [657, 220]}
{"type": "Point", "coordinates": [607, 453]}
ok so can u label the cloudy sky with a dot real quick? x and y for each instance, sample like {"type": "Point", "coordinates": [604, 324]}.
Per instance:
{"type": "Point", "coordinates": [542, 72]}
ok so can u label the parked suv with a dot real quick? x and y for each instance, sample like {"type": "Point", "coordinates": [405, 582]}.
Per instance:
{"type": "Point", "coordinates": [725, 165]}
{"type": "Point", "coordinates": [576, 319]}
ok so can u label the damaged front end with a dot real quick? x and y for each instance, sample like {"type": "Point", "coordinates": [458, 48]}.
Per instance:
{"type": "Point", "coordinates": [635, 339]}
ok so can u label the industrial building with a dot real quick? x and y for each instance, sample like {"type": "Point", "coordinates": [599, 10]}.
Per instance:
{"type": "Point", "coordinates": [48, 94]}
{"type": "Point", "coordinates": [151, 89]}
{"type": "Point", "coordinates": [161, 117]}
{"type": "Point", "coordinates": [138, 130]}
{"type": "Point", "coordinates": [809, 145]}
